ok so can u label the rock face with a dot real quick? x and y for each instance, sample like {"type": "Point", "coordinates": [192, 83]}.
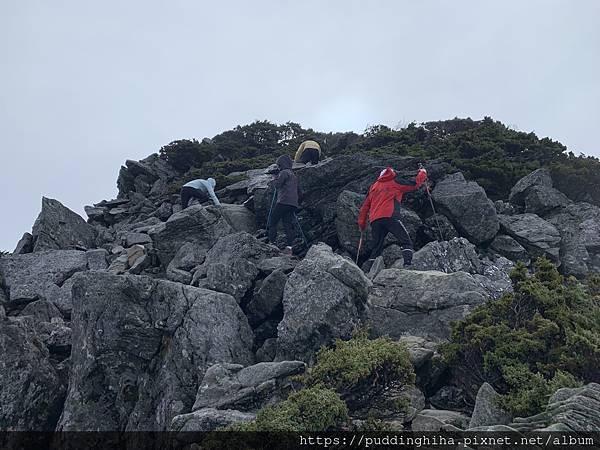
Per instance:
{"type": "Point", "coordinates": [579, 227]}
{"type": "Point", "coordinates": [25, 245]}
{"type": "Point", "coordinates": [539, 178]}
{"type": "Point", "coordinates": [568, 410]}
{"type": "Point", "coordinates": [198, 225]}
{"type": "Point", "coordinates": [322, 300]}
{"type": "Point", "coordinates": [538, 236]}
{"type": "Point", "coordinates": [41, 275]}
{"type": "Point", "coordinates": [447, 256]}
{"type": "Point", "coordinates": [535, 193]}
{"type": "Point", "coordinates": [59, 228]}
{"type": "Point", "coordinates": [486, 411]}
{"type": "Point", "coordinates": [511, 249]}
{"type": "Point", "coordinates": [467, 206]}
{"type": "Point", "coordinates": [140, 349]}
{"type": "Point", "coordinates": [31, 393]}
{"type": "Point", "coordinates": [420, 303]}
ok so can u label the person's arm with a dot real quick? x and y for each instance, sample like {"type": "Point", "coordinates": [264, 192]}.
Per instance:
{"type": "Point", "coordinates": [213, 196]}
{"type": "Point", "coordinates": [364, 213]}
{"type": "Point", "coordinates": [280, 180]}
{"type": "Point", "coordinates": [408, 185]}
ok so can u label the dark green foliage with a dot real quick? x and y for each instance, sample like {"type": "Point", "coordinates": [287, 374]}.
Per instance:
{"type": "Point", "coordinates": [527, 344]}
{"type": "Point", "coordinates": [361, 368]}
{"type": "Point", "coordinates": [185, 153]}
{"type": "Point", "coordinates": [312, 409]}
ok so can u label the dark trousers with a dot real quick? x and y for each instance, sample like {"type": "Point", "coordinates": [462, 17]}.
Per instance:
{"type": "Point", "coordinates": [381, 227]}
{"type": "Point", "coordinates": [310, 155]}
{"type": "Point", "coordinates": [284, 213]}
{"type": "Point", "coordinates": [187, 193]}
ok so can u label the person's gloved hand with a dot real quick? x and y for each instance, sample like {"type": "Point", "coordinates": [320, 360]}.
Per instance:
{"type": "Point", "coordinates": [362, 226]}
{"type": "Point", "coordinates": [423, 171]}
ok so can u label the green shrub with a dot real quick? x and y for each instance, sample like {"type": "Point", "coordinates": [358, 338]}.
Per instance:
{"type": "Point", "coordinates": [527, 344]}
{"type": "Point", "coordinates": [311, 409]}
{"type": "Point", "coordinates": [361, 368]}
{"type": "Point", "coordinates": [186, 153]}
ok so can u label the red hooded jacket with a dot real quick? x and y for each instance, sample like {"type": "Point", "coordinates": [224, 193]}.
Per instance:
{"type": "Point", "coordinates": [385, 194]}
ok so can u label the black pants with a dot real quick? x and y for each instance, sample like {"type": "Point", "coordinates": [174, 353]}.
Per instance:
{"type": "Point", "coordinates": [284, 213]}
{"type": "Point", "coordinates": [310, 155]}
{"type": "Point", "coordinates": [381, 227]}
{"type": "Point", "coordinates": [188, 193]}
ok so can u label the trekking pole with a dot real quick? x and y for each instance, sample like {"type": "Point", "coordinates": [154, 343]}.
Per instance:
{"type": "Point", "coordinates": [360, 243]}
{"type": "Point", "coordinates": [271, 208]}
{"type": "Point", "coordinates": [437, 221]}
{"type": "Point", "coordinates": [301, 232]}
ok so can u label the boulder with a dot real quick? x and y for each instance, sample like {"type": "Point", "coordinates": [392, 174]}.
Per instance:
{"type": "Point", "coordinates": [42, 310]}
{"type": "Point", "coordinates": [187, 258]}
{"type": "Point", "coordinates": [437, 419]}
{"type": "Point", "coordinates": [487, 411]}
{"type": "Point", "coordinates": [466, 204]}
{"type": "Point", "coordinates": [541, 200]}
{"type": "Point", "coordinates": [322, 300]}
{"type": "Point", "coordinates": [506, 208]}
{"type": "Point", "coordinates": [447, 256]}
{"type": "Point", "coordinates": [31, 393]}
{"type": "Point", "coordinates": [232, 386]}
{"type": "Point", "coordinates": [267, 299]}
{"type": "Point", "coordinates": [97, 259]}
{"type": "Point", "coordinates": [510, 248]}
{"type": "Point", "coordinates": [196, 224]}
{"type": "Point", "coordinates": [450, 397]}
{"type": "Point", "coordinates": [420, 303]}
{"type": "Point", "coordinates": [25, 245]}
{"type": "Point", "coordinates": [239, 217]}
{"type": "Point", "coordinates": [133, 238]}
{"type": "Point", "coordinates": [40, 275]}
{"type": "Point", "coordinates": [141, 347]}
{"type": "Point", "coordinates": [150, 176]}
{"type": "Point", "coordinates": [537, 178]}
{"type": "Point", "coordinates": [495, 275]}
{"type": "Point", "coordinates": [231, 265]}
{"type": "Point", "coordinates": [569, 410]}
{"type": "Point", "coordinates": [579, 228]}
{"type": "Point", "coordinates": [59, 228]}
{"type": "Point", "coordinates": [204, 420]}
{"type": "Point", "coordinates": [538, 236]}
{"type": "Point", "coordinates": [439, 227]}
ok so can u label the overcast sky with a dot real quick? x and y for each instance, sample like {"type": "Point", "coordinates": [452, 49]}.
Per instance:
{"type": "Point", "coordinates": [85, 85]}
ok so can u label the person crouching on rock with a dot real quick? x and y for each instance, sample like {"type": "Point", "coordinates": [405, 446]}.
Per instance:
{"type": "Point", "coordinates": [382, 208]}
{"type": "Point", "coordinates": [288, 195]}
{"type": "Point", "coordinates": [200, 189]}
{"type": "Point", "coordinates": [308, 152]}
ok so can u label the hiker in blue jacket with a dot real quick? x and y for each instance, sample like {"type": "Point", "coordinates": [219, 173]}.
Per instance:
{"type": "Point", "coordinates": [200, 189]}
{"type": "Point", "coordinates": [288, 196]}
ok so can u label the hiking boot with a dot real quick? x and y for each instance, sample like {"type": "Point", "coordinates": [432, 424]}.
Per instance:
{"type": "Point", "coordinates": [288, 251]}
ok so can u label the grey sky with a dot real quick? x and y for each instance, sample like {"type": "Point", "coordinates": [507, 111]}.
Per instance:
{"type": "Point", "coordinates": [85, 85]}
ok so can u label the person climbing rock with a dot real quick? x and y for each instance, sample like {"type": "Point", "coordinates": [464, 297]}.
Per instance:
{"type": "Point", "coordinates": [200, 189]}
{"type": "Point", "coordinates": [288, 196]}
{"type": "Point", "coordinates": [308, 152]}
{"type": "Point", "coordinates": [382, 210]}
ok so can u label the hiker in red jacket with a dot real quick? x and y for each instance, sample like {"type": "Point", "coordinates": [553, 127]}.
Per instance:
{"type": "Point", "coordinates": [382, 208]}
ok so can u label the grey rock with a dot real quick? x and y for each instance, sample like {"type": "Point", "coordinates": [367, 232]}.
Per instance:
{"type": "Point", "coordinates": [538, 236]}
{"type": "Point", "coordinates": [164, 211]}
{"type": "Point", "coordinates": [95, 214]}
{"type": "Point", "coordinates": [579, 227]}
{"type": "Point", "coordinates": [505, 208]}
{"type": "Point", "coordinates": [377, 266]}
{"type": "Point", "coordinates": [231, 264]}
{"type": "Point", "coordinates": [268, 351]}
{"type": "Point", "coordinates": [439, 227]}
{"type": "Point", "coordinates": [539, 178]}
{"type": "Point", "coordinates": [39, 275]}
{"type": "Point", "coordinates": [42, 310]}
{"type": "Point", "coordinates": [450, 397]}
{"type": "Point", "coordinates": [141, 347]}
{"type": "Point", "coordinates": [2, 313]}
{"type": "Point", "coordinates": [196, 224]}
{"type": "Point", "coordinates": [284, 263]}
{"type": "Point", "coordinates": [59, 228]}
{"type": "Point", "coordinates": [25, 245]}
{"type": "Point", "coordinates": [385, 404]}
{"type": "Point", "coordinates": [188, 257]}
{"type": "Point", "coordinates": [97, 259]}
{"type": "Point", "coordinates": [231, 386]}
{"type": "Point", "coordinates": [134, 253]}
{"type": "Point", "coordinates": [420, 303]}
{"type": "Point", "coordinates": [322, 300]}
{"type": "Point", "coordinates": [510, 248]}
{"type": "Point", "coordinates": [239, 217]}
{"type": "Point", "coordinates": [447, 256]}
{"type": "Point", "coordinates": [466, 204]}
{"type": "Point", "coordinates": [133, 238]}
{"type": "Point", "coordinates": [495, 277]}
{"type": "Point", "coordinates": [568, 410]}
{"type": "Point", "coordinates": [119, 265]}
{"type": "Point", "coordinates": [31, 393]}
{"type": "Point", "coordinates": [540, 200]}
{"type": "Point", "coordinates": [267, 300]}
{"type": "Point", "coordinates": [436, 419]}
{"type": "Point", "coordinates": [487, 412]}
{"type": "Point", "coordinates": [140, 264]}
{"type": "Point", "coordinates": [205, 420]}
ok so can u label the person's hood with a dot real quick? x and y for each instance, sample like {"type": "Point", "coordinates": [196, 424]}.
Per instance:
{"type": "Point", "coordinates": [285, 162]}
{"type": "Point", "coordinates": [387, 174]}
{"type": "Point", "coordinates": [212, 182]}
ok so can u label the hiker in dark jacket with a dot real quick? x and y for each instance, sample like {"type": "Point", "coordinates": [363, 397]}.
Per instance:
{"type": "Point", "coordinates": [288, 195]}
{"type": "Point", "coordinates": [382, 208]}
